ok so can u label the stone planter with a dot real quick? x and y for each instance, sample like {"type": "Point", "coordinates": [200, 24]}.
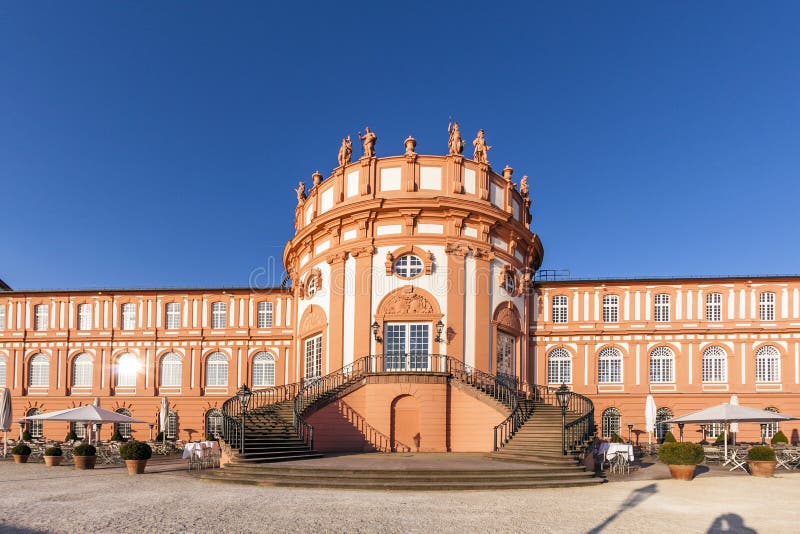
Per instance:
{"type": "Point", "coordinates": [20, 458]}
{"type": "Point", "coordinates": [136, 467]}
{"type": "Point", "coordinates": [682, 472]}
{"type": "Point", "coordinates": [761, 468]}
{"type": "Point", "coordinates": [84, 462]}
{"type": "Point", "coordinates": [52, 461]}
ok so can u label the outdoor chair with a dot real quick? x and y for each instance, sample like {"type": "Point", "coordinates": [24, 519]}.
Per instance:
{"type": "Point", "coordinates": [738, 460]}
{"type": "Point", "coordinates": [712, 455]}
{"type": "Point", "coordinates": [619, 463]}
{"type": "Point", "coordinates": [788, 459]}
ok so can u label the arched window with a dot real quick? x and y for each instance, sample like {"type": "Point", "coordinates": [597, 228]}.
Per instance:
{"type": "Point", "coordinates": [772, 428]}
{"type": "Point", "coordinates": [124, 429]}
{"type": "Point", "coordinates": [79, 429]}
{"type": "Point", "coordinates": [171, 370]}
{"type": "Point", "coordinates": [34, 425]}
{"type": "Point", "coordinates": [39, 375]}
{"type": "Point", "coordinates": [766, 306]}
{"type": "Point", "coordinates": [611, 422]}
{"type": "Point", "coordinates": [559, 367]}
{"type": "Point", "coordinates": [560, 309]}
{"type": "Point", "coordinates": [263, 369]}
{"type": "Point", "coordinates": [2, 371]}
{"type": "Point", "coordinates": [715, 365]}
{"type": "Point", "coordinates": [662, 414]}
{"type": "Point", "coordinates": [714, 307]}
{"type": "Point", "coordinates": [219, 314]}
{"type": "Point", "coordinates": [82, 367]}
{"type": "Point", "coordinates": [217, 370]}
{"type": "Point", "coordinates": [609, 366]}
{"type": "Point", "coordinates": [214, 423]}
{"type": "Point", "coordinates": [610, 308]}
{"type": "Point", "coordinates": [662, 308]}
{"type": "Point", "coordinates": [172, 426]}
{"type": "Point", "coordinates": [127, 367]}
{"type": "Point", "coordinates": [408, 266]}
{"type": "Point", "coordinates": [768, 364]}
{"type": "Point", "coordinates": [662, 365]}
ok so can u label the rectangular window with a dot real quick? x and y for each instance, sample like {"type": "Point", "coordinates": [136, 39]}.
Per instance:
{"type": "Point", "coordinates": [128, 316]}
{"type": "Point", "coordinates": [714, 307]}
{"type": "Point", "coordinates": [610, 309]}
{"type": "Point", "coordinates": [766, 306]}
{"type": "Point", "coordinates": [560, 309]}
{"type": "Point", "coordinates": [2, 316]}
{"type": "Point", "coordinates": [84, 317]}
{"type": "Point", "coordinates": [264, 315]}
{"type": "Point", "coordinates": [40, 316]}
{"type": "Point", "coordinates": [313, 357]}
{"type": "Point", "coordinates": [218, 315]}
{"type": "Point", "coordinates": [662, 308]}
{"type": "Point", "coordinates": [173, 310]}
{"type": "Point", "coordinates": [2, 372]}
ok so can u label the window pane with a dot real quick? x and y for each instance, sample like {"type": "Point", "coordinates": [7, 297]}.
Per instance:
{"type": "Point", "coordinates": [173, 316]}
{"type": "Point", "coordinates": [217, 370]}
{"type": "Point", "coordinates": [218, 315]}
{"type": "Point", "coordinates": [263, 370]}
{"type": "Point", "coordinates": [610, 309]}
{"type": "Point", "coordinates": [559, 367]}
{"type": "Point", "coordinates": [714, 307]}
{"type": "Point", "coordinates": [609, 366]}
{"type": "Point", "coordinates": [171, 370]}
{"type": "Point", "coordinates": [39, 371]}
{"type": "Point", "coordinates": [40, 314]}
{"type": "Point", "coordinates": [611, 422]}
{"type": "Point", "coordinates": [662, 365]}
{"type": "Point", "coordinates": [124, 429]}
{"type": "Point", "coordinates": [560, 311]}
{"type": "Point", "coordinates": [662, 308]}
{"type": "Point", "coordinates": [85, 317]}
{"type": "Point", "coordinates": [264, 315]}
{"type": "Point", "coordinates": [82, 371]}
{"type": "Point", "coordinates": [127, 367]}
{"type": "Point", "coordinates": [128, 316]}
{"type": "Point", "coordinates": [766, 306]}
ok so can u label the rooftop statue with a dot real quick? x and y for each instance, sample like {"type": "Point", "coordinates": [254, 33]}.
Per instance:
{"type": "Point", "coordinates": [301, 192]}
{"type": "Point", "coordinates": [345, 152]}
{"type": "Point", "coordinates": [481, 149]}
{"type": "Point", "coordinates": [523, 186]}
{"type": "Point", "coordinates": [368, 140]}
{"type": "Point", "coordinates": [455, 145]}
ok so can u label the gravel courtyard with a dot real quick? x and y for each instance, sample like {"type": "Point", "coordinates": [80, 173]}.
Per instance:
{"type": "Point", "coordinates": [39, 499]}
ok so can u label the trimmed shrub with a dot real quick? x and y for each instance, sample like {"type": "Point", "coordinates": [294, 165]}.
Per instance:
{"type": "Point", "coordinates": [54, 451]}
{"type": "Point", "coordinates": [84, 449]}
{"type": "Point", "coordinates": [779, 437]}
{"type": "Point", "coordinates": [615, 438]}
{"type": "Point", "coordinates": [26, 436]}
{"type": "Point", "coordinates": [721, 439]}
{"type": "Point", "coordinates": [669, 438]}
{"type": "Point", "coordinates": [71, 436]}
{"type": "Point", "coordinates": [117, 437]}
{"type": "Point", "coordinates": [135, 450]}
{"type": "Point", "coordinates": [685, 453]}
{"type": "Point", "coordinates": [160, 436]}
{"type": "Point", "coordinates": [761, 453]}
{"type": "Point", "coordinates": [21, 450]}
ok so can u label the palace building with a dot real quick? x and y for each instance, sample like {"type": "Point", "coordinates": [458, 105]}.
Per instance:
{"type": "Point", "coordinates": [414, 321]}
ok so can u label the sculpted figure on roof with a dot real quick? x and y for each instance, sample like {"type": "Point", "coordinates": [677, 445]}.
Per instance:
{"type": "Point", "coordinates": [481, 149]}
{"type": "Point", "coordinates": [301, 192]}
{"type": "Point", "coordinates": [456, 144]}
{"type": "Point", "coordinates": [368, 140]}
{"type": "Point", "coordinates": [345, 151]}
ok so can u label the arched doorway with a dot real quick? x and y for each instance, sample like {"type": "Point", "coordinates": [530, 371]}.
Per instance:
{"type": "Point", "coordinates": [506, 325]}
{"type": "Point", "coordinates": [405, 423]}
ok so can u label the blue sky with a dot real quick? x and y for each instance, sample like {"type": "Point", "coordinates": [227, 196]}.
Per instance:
{"type": "Point", "coordinates": [158, 143]}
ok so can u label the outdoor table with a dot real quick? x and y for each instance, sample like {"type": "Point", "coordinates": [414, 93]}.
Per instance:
{"type": "Point", "coordinates": [614, 449]}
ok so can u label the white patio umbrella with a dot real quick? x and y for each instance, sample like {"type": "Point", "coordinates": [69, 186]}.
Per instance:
{"type": "Point", "coordinates": [734, 426]}
{"type": "Point", "coordinates": [649, 417]}
{"type": "Point", "coordinates": [85, 414]}
{"type": "Point", "coordinates": [5, 417]}
{"type": "Point", "coordinates": [96, 427]}
{"type": "Point", "coordinates": [731, 413]}
{"type": "Point", "coordinates": [163, 418]}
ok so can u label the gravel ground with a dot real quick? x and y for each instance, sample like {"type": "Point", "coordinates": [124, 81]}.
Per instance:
{"type": "Point", "coordinates": [34, 498]}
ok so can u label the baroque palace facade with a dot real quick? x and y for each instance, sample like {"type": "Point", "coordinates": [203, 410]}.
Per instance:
{"type": "Point", "coordinates": [405, 266]}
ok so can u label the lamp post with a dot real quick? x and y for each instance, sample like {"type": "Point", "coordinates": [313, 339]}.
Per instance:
{"type": "Point", "coordinates": [243, 395]}
{"type": "Point", "coordinates": [630, 431]}
{"type": "Point", "coordinates": [680, 428]}
{"type": "Point", "coordinates": [763, 433]}
{"type": "Point", "coordinates": [562, 396]}
{"type": "Point", "coordinates": [150, 436]}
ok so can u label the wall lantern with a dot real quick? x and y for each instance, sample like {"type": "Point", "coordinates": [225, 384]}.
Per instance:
{"type": "Point", "coordinates": [439, 330]}
{"type": "Point", "coordinates": [375, 328]}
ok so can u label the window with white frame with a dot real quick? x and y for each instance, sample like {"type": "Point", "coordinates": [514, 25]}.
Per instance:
{"type": "Point", "coordinates": [219, 315]}
{"type": "Point", "coordinates": [313, 351]}
{"type": "Point", "coordinates": [408, 266]}
{"type": "Point", "coordinates": [128, 316]}
{"type": "Point", "coordinates": [173, 313]}
{"type": "Point", "coordinates": [78, 428]}
{"type": "Point", "coordinates": [2, 316]}
{"type": "Point", "coordinates": [263, 369]}
{"type": "Point", "coordinates": [610, 308]}
{"type": "Point", "coordinates": [39, 371]}
{"type": "Point", "coordinates": [2, 371]}
{"type": "Point", "coordinates": [662, 365]}
{"type": "Point", "coordinates": [172, 426]}
{"type": "Point", "coordinates": [127, 369]}
{"type": "Point", "coordinates": [771, 428]}
{"type": "Point", "coordinates": [217, 370]}
{"type": "Point", "coordinates": [662, 308]}
{"type": "Point", "coordinates": [560, 311]}
{"type": "Point", "coordinates": [264, 314]}
{"type": "Point", "coordinates": [41, 313]}
{"type": "Point", "coordinates": [84, 316]}
{"type": "Point", "coordinates": [611, 422]}
{"type": "Point", "coordinates": [766, 306]}
{"type": "Point", "coordinates": [124, 429]}
{"type": "Point", "coordinates": [559, 367]}
{"type": "Point", "coordinates": [311, 286]}
{"type": "Point", "coordinates": [662, 427]}
{"type": "Point", "coordinates": [715, 365]}
{"type": "Point", "coordinates": [768, 364]}
{"type": "Point", "coordinates": [214, 423]}
{"type": "Point", "coordinates": [609, 366]}
{"type": "Point", "coordinates": [713, 430]}
{"type": "Point", "coordinates": [171, 370]}
{"type": "Point", "coordinates": [82, 367]}
{"type": "Point", "coordinates": [34, 425]}
{"type": "Point", "coordinates": [714, 307]}
{"type": "Point", "coordinates": [509, 283]}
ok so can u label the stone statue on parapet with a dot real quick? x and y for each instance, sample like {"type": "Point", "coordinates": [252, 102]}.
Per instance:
{"type": "Point", "coordinates": [301, 192]}
{"type": "Point", "coordinates": [345, 152]}
{"type": "Point", "coordinates": [368, 140]}
{"type": "Point", "coordinates": [481, 149]}
{"type": "Point", "coordinates": [523, 186]}
{"type": "Point", "coordinates": [455, 145]}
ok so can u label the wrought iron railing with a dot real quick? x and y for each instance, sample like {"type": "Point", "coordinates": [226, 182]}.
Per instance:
{"type": "Point", "coordinates": [261, 398]}
{"type": "Point", "coordinates": [579, 427]}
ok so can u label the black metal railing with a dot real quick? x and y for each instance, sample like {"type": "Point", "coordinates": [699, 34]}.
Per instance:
{"type": "Point", "coordinates": [232, 411]}
{"type": "Point", "coordinates": [579, 426]}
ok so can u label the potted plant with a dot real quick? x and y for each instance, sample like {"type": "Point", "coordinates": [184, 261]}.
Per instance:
{"type": "Point", "coordinates": [20, 452]}
{"type": "Point", "coordinates": [52, 456]}
{"type": "Point", "coordinates": [135, 453]}
{"type": "Point", "coordinates": [761, 461]}
{"type": "Point", "coordinates": [116, 436]}
{"type": "Point", "coordinates": [780, 438]}
{"type": "Point", "coordinates": [682, 458]}
{"type": "Point", "coordinates": [85, 456]}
